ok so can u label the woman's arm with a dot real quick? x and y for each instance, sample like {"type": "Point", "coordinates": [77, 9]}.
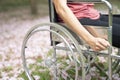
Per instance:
{"type": "Point", "coordinates": [69, 18]}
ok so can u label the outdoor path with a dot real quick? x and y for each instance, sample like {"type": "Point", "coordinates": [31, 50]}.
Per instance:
{"type": "Point", "coordinates": [13, 27]}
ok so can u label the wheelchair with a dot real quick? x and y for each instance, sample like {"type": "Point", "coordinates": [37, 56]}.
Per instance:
{"type": "Point", "coordinates": [63, 55]}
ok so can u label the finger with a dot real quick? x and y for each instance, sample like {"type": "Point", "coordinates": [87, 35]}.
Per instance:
{"type": "Point", "coordinates": [104, 43]}
{"type": "Point", "coordinates": [97, 49]}
{"type": "Point", "coordinates": [99, 46]}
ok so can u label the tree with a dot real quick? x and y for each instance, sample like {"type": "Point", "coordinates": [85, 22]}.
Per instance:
{"type": "Point", "coordinates": [33, 4]}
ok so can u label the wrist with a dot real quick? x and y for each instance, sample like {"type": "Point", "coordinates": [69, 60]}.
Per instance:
{"type": "Point", "coordinates": [90, 40]}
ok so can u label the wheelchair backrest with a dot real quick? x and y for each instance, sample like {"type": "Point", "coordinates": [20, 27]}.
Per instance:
{"type": "Point", "coordinates": [52, 12]}
{"type": "Point", "coordinates": [54, 17]}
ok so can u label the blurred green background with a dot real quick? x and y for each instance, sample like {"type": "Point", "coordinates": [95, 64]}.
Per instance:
{"type": "Point", "coordinates": [36, 5]}
{"type": "Point", "coordinates": [9, 4]}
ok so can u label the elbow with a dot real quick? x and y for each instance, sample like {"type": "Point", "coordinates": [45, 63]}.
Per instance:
{"type": "Point", "coordinates": [60, 6]}
{"type": "Point", "coordinates": [61, 10]}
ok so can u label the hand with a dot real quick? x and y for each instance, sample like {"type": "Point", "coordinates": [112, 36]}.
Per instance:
{"type": "Point", "coordinates": [98, 44]}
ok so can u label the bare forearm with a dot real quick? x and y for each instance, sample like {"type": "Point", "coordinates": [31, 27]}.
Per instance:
{"type": "Point", "coordinates": [93, 31]}
{"type": "Point", "coordinates": [69, 18]}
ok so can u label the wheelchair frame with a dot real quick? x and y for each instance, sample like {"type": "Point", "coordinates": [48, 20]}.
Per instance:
{"type": "Point", "coordinates": [77, 49]}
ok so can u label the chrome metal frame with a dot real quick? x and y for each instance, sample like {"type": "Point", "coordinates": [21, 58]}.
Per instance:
{"type": "Point", "coordinates": [107, 3]}
{"type": "Point", "coordinates": [74, 41]}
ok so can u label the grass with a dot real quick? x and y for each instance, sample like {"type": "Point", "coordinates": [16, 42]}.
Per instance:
{"type": "Point", "coordinates": [23, 11]}
{"type": "Point", "coordinates": [12, 5]}
{"type": "Point", "coordinates": [6, 69]}
{"type": "Point", "coordinates": [9, 4]}
{"type": "Point", "coordinates": [23, 75]}
{"type": "Point", "coordinates": [44, 73]}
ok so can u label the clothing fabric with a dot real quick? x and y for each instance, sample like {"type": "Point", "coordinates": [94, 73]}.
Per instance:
{"type": "Point", "coordinates": [103, 21]}
{"type": "Point", "coordinates": [85, 10]}
{"type": "Point", "coordinates": [87, 15]}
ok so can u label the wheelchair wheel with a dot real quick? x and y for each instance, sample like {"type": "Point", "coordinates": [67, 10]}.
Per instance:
{"type": "Point", "coordinates": [43, 61]}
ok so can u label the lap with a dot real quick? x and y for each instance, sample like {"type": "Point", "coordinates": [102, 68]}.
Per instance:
{"type": "Point", "coordinates": [103, 21]}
